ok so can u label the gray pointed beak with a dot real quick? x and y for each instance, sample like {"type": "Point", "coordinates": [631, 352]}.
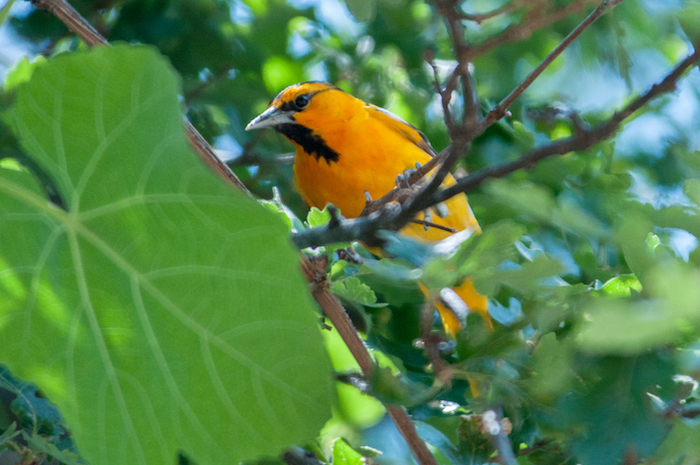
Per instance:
{"type": "Point", "coordinates": [270, 117]}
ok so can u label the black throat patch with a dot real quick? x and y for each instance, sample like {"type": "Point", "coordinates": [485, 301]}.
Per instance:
{"type": "Point", "coordinates": [310, 142]}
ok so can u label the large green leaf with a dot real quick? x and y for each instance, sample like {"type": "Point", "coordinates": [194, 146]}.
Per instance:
{"type": "Point", "coordinates": [162, 311]}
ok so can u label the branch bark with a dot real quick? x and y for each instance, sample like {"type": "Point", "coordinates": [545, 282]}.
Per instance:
{"type": "Point", "coordinates": [507, 8]}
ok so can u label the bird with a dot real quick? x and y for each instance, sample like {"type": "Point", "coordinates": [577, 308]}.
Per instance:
{"type": "Point", "coordinates": [346, 147]}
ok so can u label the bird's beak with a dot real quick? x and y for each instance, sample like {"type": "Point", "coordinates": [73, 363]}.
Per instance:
{"type": "Point", "coordinates": [271, 117]}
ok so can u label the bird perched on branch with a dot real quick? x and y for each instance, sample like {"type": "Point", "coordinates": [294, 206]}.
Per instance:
{"type": "Point", "coordinates": [345, 147]}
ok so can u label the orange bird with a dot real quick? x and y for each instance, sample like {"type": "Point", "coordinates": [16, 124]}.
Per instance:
{"type": "Point", "coordinates": [345, 147]}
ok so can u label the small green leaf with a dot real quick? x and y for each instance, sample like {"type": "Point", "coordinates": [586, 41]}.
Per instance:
{"type": "Point", "coordinates": [526, 278]}
{"type": "Point", "coordinates": [40, 444]}
{"type": "Point", "coordinates": [539, 203]}
{"type": "Point", "coordinates": [36, 413]}
{"type": "Point", "coordinates": [551, 364]}
{"type": "Point", "coordinates": [272, 206]}
{"type": "Point", "coordinates": [343, 454]}
{"type": "Point", "coordinates": [317, 217]}
{"type": "Point", "coordinates": [479, 256]}
{"type": "Point", "coordinates": [620, 326]}
{"type": "Point", "coordinates": [22, 72]}
{"type": "Point", "coordinates": [523, 136]}
{"type": "Point", "coordinates": [355, 290]}
{"type": "Point", "coordinates": [622, 285]}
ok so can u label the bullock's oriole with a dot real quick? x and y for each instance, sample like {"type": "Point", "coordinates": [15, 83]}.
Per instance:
{"type": "Point", "coordinates": [345, 147]}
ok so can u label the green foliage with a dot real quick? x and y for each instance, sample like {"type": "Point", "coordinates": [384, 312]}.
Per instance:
{"type": "Point", "coordinates": [156, 308]}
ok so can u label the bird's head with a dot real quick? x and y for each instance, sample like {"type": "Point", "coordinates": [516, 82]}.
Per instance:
{"type": "Point", "coordinates": [292, 104]}
{"type": "Point", "coordinates": [306, 114]}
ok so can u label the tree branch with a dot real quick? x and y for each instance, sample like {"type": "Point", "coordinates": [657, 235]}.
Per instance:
{"type": "Point", "coordinates": [73, 20]}
{"type": "Point", "coordinates": [492, 424]}
{"type": "Point", "coordinates": [472, 114]}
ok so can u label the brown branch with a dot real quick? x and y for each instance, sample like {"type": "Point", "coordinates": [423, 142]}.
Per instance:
{"type": "Point", "coordinates": [500, 110]}
{"type": "Point", "coordinates": [460, 134]}
{"type": "Point", "coordinates": [314, 271]}
{"type": "Point", "coordinates": [471, 107]}
{"type": "Point", "coordinates": [430, 224]}
{"type": "Point", "coordinates": [76, 23]}
{"type": "Point", "coordinates": [492, 423]}
{"type": "Point", "coordinates": [207, 154]}
{"type": "Point", "coordinates": [472, 126]}
{"type": "Point", "coordinates": [456, 150]}
{"type": "Point", "coordinates": [405, 425]}
{"type": "Point", "coordinates": [448, 12]}
{"type": "Point", "coordinates": [73, 20]}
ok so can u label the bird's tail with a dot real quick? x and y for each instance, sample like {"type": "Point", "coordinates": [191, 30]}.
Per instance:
{"type": "Point", "coordinates": [449, 311]}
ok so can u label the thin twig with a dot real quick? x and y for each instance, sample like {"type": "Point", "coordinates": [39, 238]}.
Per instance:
{"type": "Point", "coordinates": [430, 224]}
{"type": "Point", "coordinates": [471, 107]}
{"type": "Point", "coordinates": [76, 23]}
{"type": "Point", "coordinates": [405, 425]}
{"type": "Point", "coordinates": [505, 450]}
{"type": "Point", "coordinates": [499, 111]}
{"type": "Point", "coordinates": [457, 149]}
{"type": "Point", "coordinates": [199, 90]}
{"type": "Point", "coordinates": [73, 20]}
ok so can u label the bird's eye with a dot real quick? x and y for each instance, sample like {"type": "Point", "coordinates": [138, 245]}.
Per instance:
{"type": "Point", "coordinates": [301, 101]}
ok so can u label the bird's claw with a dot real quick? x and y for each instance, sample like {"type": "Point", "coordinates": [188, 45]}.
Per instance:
{"type": "Point", "coordinates": [441, 210]}
{"type": "Point", "coordinates": [402, 180]}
